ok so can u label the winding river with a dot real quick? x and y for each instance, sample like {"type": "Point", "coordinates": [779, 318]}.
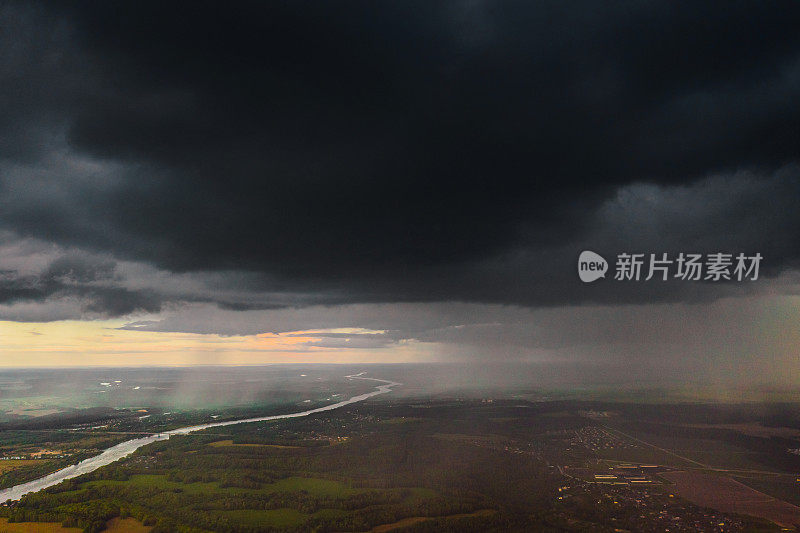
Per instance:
{"type": "Point", "coordinates": [124, 449]}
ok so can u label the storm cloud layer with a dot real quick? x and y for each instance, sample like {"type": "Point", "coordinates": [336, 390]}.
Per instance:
{"type": "Point", "coordinates": [280, 154]}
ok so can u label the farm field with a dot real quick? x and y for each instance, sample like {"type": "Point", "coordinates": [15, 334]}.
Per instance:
{"type": "Point", "coordinates": [730, 496]}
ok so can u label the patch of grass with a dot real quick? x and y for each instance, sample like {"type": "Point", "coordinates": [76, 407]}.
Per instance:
{"type": "Point", "coordinates": [314, 486]}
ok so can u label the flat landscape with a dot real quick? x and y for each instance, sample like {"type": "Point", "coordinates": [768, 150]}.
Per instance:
{"type": "Point", "coordinates": [464, 460]}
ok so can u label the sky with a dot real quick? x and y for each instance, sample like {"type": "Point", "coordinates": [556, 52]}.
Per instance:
{"type": "Point", "coordinates": [359, 181]}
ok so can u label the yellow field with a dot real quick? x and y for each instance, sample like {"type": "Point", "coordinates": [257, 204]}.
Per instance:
{"type": "Point", "coordinates": [36, 527]}
{"type": "Point", "coordinates": [11, 464]}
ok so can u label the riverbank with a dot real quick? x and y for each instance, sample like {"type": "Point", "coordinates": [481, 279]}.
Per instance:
{"type": "Point", "coordinates": [126, 448]}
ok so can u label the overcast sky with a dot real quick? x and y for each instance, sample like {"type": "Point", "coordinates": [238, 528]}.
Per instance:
{"type": "Point", "coordinates": [397, 181]}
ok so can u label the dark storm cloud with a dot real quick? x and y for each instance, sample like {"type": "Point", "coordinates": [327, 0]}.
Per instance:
{"type": "Point", "coordinates": [368, 151]}
{"type": "Point", "coordinates": [74, 269]}
{"type": "Point", "coordinates": [80, 278]}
